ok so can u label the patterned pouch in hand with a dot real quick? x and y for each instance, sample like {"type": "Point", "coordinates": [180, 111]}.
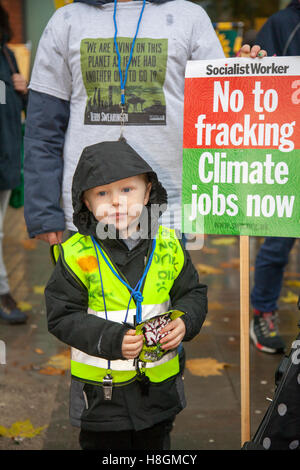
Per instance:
{"type": "Point", "coordinates": [151, 330]}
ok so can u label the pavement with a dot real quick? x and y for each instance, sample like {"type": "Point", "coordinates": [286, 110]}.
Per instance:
{"type": "Point", "coordinates": [34, 380]}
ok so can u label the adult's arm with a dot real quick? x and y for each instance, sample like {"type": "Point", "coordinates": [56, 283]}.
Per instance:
{"type": "Point", "coordinates": [270, 37]}
{"type": "Point", "coordinates": [47, 120]}
{"type": "Point", "coordinates": [204, 42]}
{"type": "Point", "coordinates": [19, 82]}
{"type": "Point", "coordinates": [46, 124]}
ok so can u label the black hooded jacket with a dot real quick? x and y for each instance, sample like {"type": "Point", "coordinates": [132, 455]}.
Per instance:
{"type": "Point", "coordinates": [67, 301]}
{"type": "Point", "coordinates": [10, 122]}
{"type": "Point", "coordinates": [280, 35]}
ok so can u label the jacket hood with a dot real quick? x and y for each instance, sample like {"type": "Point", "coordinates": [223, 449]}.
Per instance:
{"type": "Point", "coordinates": [102, 2]}
{"type": "Point", "coordinates": [104, 163]}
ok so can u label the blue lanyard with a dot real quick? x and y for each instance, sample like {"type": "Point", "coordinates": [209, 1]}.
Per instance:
{"type": "Point", "coordinates": [123, 82]}
{"type": "Point", "coordinates": [135, 293]}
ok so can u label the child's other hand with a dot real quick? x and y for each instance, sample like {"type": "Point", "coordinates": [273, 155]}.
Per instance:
{"type": "Point", "coordinates": [132, 344]}
{"type": "Point", "coordinates": [175, 332]}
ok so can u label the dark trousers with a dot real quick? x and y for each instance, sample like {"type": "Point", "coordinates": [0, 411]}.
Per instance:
{"type": "Point", "coordinates": [148, 439]}
{"type": "Point", "coordinates": [271, 260]}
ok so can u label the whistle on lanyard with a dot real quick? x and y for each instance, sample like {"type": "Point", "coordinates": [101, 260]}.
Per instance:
{"type": "Point", "coordinates": [107, 385]}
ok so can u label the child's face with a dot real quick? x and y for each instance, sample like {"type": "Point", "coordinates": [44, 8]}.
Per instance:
{"type": "Point", "coordinates": [119, 203]}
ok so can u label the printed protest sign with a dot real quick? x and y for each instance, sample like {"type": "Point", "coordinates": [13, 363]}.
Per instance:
{"type": "Point", "coordinates": [145, 102]}
{"type": "Point", "coordinates": [241, 157]}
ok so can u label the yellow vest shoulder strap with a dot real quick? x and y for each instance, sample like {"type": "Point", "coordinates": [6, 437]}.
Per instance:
{"type": "Point", "coordinates": [69, 251]}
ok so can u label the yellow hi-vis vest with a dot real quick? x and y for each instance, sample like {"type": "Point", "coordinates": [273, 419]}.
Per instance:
{"type": "Point", "coordinates": [79, 257]}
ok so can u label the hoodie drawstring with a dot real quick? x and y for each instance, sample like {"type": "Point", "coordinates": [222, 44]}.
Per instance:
{"type": "Point", "coordinates": [138, 298]}
{"type": "Point", "coordinates": [135, 293]}
{"type": "Point", "coordinates": [123, 82]}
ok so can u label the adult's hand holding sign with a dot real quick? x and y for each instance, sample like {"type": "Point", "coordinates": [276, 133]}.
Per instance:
{"type": "Point", "coordinates": [241, 165]}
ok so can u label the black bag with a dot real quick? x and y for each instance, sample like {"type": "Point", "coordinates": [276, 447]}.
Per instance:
{"type": "Point", "coordinates": [280, 427]}
{"type": "Point", "coordinates": [17, 194]}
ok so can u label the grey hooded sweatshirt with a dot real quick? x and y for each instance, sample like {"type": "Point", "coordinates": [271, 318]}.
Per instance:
{"type": "Point", "coordinates": [75, 95]}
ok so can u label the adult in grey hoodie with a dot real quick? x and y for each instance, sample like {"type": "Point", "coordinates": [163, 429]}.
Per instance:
{"type": "Point", "coordinates": [75, 95]}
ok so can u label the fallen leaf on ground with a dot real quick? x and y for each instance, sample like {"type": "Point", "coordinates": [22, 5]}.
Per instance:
{"type": "Point", "coordinates": [224, 241]}
{"type": "Point", "coordinates": [39, 351]}
{"type": "Point", "coordinates": [21, 429]}
{"type": "Point", "coordinates": [51, 371]}
{"type": "Point", "coordinates": [27, 367]}
{"type": "Point", "coordinates": [206, 269]}
{"type": "Point", "coordinates": [290, 298]}
{"type": "Point", "coordinates": [292, 283]}
{"type": "Point", "coordinates": [291, 274]}
{"type": "Point", "coordinates": [38, 289]}
{"type": "Point", "coordinates": [57, 364]}
{"type": "Point", "coordinates": [205, 367]}
{"type": "Point", "coordinates": [29, 244]}
{"type": "Point", "coordinates": [215, 306]}
{"type": "Point", "coordinates": [24, 306]}
{"type": "Point", "coordinates": [209, 250]}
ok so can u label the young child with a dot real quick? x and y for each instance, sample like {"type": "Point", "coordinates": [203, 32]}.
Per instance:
{"type": "Point", "coordinates": [123, 294]}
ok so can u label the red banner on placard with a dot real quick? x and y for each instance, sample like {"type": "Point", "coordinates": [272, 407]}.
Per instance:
{"type": "Point", "coordinates": [252, 112]}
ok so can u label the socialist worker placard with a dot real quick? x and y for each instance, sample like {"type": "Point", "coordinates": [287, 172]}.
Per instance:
{"type": "Point", "coordinates": [241, 147]}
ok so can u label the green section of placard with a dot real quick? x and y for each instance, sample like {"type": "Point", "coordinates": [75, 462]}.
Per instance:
{"type": "Point", "coordinates": [241, 192]}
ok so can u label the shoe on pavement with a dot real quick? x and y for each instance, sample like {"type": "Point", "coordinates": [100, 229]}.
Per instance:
{"type": "Point", "coordinates": [264, 332]}
{"type": "Point", "coordinates": [9, 310]}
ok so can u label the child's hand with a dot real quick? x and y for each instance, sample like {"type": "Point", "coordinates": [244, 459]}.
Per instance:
{"type": "Point", "coordinates": [132, 344]}
{"type": "Point", "coordinates": [175, 332]}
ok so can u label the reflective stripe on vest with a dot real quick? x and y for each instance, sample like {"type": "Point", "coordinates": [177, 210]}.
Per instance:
{"type": "Point", "coordinates": [80, 259]}
{"type": "Point", "coordinates": [121, 364]}
{"type": "Point", "coordinates": [167, 367]}
{"type": "Point", "coordinates": [148, 311]}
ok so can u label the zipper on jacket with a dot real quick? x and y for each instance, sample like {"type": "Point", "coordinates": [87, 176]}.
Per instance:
{"type": "Point", "coordinates": [145, 262]}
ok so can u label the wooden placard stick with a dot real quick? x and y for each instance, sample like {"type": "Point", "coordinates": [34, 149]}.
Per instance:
{"type": "Point", "coordinates": [244, 338]}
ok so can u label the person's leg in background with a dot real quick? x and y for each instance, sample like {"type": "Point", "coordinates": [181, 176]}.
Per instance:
{"type": "Point", "coordinates": [270, 263]}
{"type": "Point", "coordinates": [9, 311]}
